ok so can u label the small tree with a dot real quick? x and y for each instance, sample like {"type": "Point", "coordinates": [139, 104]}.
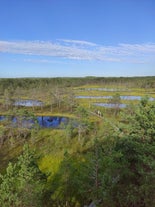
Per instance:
{"type": "Point", "coordinates": [8, 188]}
{"type": "Point", "coordinates": [115, 101]}
{"type": "Point", "coordinates": [2, 135]}
{"type": "Point", "coordinates": [23, 183]}
{"type": "Point", "coordinates": [8, 98]}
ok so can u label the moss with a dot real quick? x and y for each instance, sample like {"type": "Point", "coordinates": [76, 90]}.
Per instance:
{"type": "Point", "coordinates": [49, 164]}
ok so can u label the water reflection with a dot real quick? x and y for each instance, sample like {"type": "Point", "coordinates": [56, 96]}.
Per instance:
{"type": "Point", "coordinates": [2, 118]}
{"type": "Point", "coordinates": [28, 103]}
{"type": "Point", "coordinates": [51, 121]}
{"type": "Point", "coordinates": [110, 105]}
{"type": "Point", "coordinates": [106, 89]}
{"type": "Point", "coordinates": [110, 97]}
{"type": "Point", "coordinates": [42, 121]}
{"type": "Point", "coordinates": [93, 97]}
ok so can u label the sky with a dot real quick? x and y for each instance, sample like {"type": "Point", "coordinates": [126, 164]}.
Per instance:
{"type": "Point", "coordinates": [77, 38]}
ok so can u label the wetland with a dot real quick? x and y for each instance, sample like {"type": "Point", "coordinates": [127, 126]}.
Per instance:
{"type": "Point", "coordinates": [72, 140]}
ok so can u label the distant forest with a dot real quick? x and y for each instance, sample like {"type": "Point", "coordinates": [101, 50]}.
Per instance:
{"type": "Point", "coordinates": [141, 82]}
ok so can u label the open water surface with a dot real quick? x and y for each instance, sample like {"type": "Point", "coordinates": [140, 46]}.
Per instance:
{"type": "Point", "coordinates": [105, 89]}
{"type": "Point", "coordinates": [28, 103]}
{"type": "Point", "coordinates": [110, 105]}
{"type": "Point", "coordinates": [42, 121]}
{"type": "Point", "coordinates": [110, 97]}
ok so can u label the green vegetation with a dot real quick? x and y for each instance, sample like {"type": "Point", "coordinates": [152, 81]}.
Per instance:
{"type": "Point", "coordinates": [103, 156]}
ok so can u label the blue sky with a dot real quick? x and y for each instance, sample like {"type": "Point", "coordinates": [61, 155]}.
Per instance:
{"type": "Point", "coordinates": [57, 38]}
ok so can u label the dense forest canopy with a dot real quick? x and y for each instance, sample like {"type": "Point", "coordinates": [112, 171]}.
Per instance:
{"type": "Point", "coordinates": [35, 82]}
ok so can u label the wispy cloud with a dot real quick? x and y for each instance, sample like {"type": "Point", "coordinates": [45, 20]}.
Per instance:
{"type": "Point", "coordinates": [82, 50]}
{"type": "Point", "coordinates": [45, 61]}
{"type": "Point", "coordinates": [39, 60]}
{"type": "Point", "coordinates": [78, 42]}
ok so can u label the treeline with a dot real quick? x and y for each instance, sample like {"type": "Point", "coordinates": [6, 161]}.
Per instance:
{"type": "Point", "coordinates": [27, 83]}
{"type": "Point", "coordinates": [109, 167]}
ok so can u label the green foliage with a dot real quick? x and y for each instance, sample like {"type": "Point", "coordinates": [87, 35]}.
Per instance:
{"type": "Point", "coordinates": [2, 135]}
{"type": "Point", "coordinates": [116, 171]}
{"type": "Point", "coordinates": [136, 172]}
{"type": "Point", "coordinates": [8, 98]}
{"type": "Point", "coordinates": [23, 183]}
{"type": "Point", "coordinates": [8, 194]}
{"type": "Point", "coordinates": [140, 121]}
{"type": "Point", "coordinates": [111, 166]}
{"type": "Point", "coordinates": [116, 101]}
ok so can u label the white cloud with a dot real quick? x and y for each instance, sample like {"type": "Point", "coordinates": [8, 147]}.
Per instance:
{"type": "Point", "coordinates": [39, 60]}
{"type": "Point", "coordinates": [82, 50]}
{"type": "Point", "coordinates": [43, 61]}
{"type": "Point", "coordinates": [78, 42]}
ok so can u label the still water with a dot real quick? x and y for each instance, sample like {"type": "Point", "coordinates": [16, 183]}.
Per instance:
{"type": "Point", "coordinates": [110, 97]}
{"type": "Point", "coordinates": [28, 103]}
{"type": "Point", "coordinates": [42, 121]}
{"type": "Point", "coordinates": [110, 105]}
{"type": "Point", "coordinates": [105, 89]}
